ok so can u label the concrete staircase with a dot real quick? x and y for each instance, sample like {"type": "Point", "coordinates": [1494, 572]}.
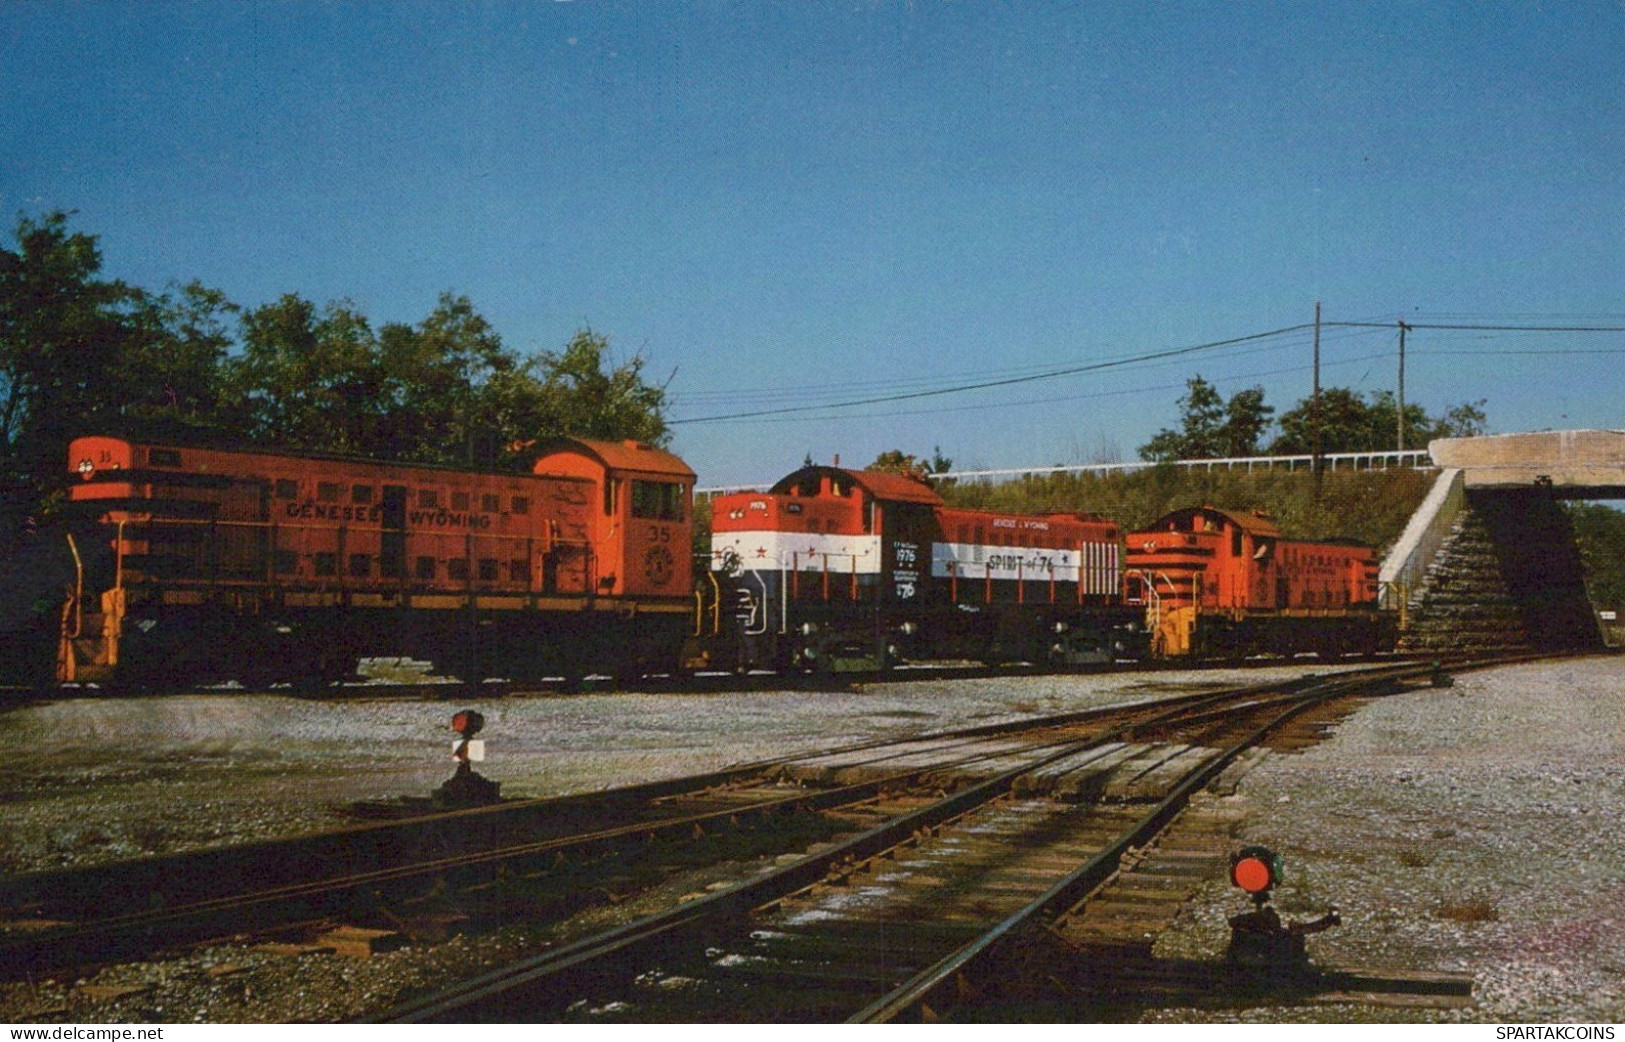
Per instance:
{"type": "Point", "coordinates": [1508, 575]}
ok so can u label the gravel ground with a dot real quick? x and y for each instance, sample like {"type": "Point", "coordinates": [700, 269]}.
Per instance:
{"type": "Point", "coordinates": [1474, 828]}
{"type": "Point", "coordinates": [92, 780]}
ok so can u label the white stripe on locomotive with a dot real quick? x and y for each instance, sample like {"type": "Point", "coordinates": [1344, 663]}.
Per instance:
{"type": "Point", "coordinates": [800, 551]}
{"type": "Point", "coordinates": [1097, 564]}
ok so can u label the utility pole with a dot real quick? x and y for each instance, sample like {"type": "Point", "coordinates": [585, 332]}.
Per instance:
{"type": "Point", "coordinates": [1314, 408]}
{"type": "Point", "coordinates": [1403, 329]}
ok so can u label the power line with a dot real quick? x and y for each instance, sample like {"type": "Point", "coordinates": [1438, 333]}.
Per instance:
{"type": "Point", "coordinates": [1492, 329]}
{"type": "Point", "coordinates": [1087, 396]}
{"type": "Point", "coordinates": [1011, 381]}
{"type": "Point", "coordinates": [826, 407]}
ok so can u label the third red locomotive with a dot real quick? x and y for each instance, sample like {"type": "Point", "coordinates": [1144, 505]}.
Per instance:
{"type": "Point", "coordinates": [1226, 584]}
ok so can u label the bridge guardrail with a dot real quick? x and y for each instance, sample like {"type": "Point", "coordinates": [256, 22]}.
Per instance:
{"type": "Point", "coordinates": [1413, 458]}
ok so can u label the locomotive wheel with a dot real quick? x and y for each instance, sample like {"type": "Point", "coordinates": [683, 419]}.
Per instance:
{"type": "Point", "coordinates": [328, 669]}
{"type": "Point", "coordinates": [257, 678]}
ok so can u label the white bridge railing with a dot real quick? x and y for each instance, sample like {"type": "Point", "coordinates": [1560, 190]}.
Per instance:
{"type": "Point", "coordinates": [1408, 458]}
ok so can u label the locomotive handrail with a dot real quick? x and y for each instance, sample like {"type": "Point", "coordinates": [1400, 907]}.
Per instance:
{"type": "Point", "coordinates": [757, 624]}
{"type": "Point", "coordinates": [78, 592]}
{"type": "Point", "coordinates": [791, 567]}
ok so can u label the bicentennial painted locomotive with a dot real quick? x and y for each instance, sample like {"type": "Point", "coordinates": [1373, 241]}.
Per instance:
{"type": "Point", "coordinates": [862, 568]}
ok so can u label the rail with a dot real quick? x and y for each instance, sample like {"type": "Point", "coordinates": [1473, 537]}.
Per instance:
{"type": "Point", "coordinates": [541, 986]}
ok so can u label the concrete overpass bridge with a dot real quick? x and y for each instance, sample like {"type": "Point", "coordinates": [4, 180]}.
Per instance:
{"type": "Point", "coordinates": [1490, 558]}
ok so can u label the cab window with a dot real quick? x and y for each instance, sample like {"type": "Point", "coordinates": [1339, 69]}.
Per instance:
{"type": "Point", "coordinates": [657, 500]}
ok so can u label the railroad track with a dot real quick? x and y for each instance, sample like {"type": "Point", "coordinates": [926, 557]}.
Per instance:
{"type": "Point", "coordinates": [935, 901]}
{"type": "Point", "coordinates": [1040, 790]}
{"type": "Point", "coordinates": [412, 875]}
{"type": "Point", "coordinates": [715, 682]}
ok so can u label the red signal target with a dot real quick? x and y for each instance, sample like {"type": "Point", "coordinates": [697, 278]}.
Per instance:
{"type": "Point", "coordinates": [1255, 869]}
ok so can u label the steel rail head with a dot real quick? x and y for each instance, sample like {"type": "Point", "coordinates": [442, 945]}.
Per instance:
{"type": "Point", "coordinates": [916, 993]}
{"type": "Point", "coordinates": [458, 1002]}
{"type": "Point", "coordinates": [737, 900]}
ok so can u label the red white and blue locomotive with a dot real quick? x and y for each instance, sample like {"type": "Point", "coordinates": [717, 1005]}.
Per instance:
{"type": "Point", "coordinates": [845, 569]}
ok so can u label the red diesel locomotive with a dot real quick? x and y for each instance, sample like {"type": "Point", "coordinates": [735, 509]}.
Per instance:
{"type": "Point", "coordinates": [843, 569]}
{"type": "Point", "coordinates": [1225, 584]}
{"type": "Point", "coordinates": [215, 564]}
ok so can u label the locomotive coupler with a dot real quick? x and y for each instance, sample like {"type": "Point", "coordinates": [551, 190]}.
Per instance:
{"type": "Point", "coordinates": [467, 787]}
{"type": "Point", "coordinates": [1260, 942]}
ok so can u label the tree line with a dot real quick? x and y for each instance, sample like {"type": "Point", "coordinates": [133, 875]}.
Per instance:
{"type": "Point", "coordinates": [1213, 427]}
{"type": "Point", "coordinates": [81, 353]}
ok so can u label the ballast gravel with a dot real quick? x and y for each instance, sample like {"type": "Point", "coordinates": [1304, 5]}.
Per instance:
{"type": "Point", "coordinates": [1474, 828]}
{"type": "Point", "coordinates": [1470, 829]}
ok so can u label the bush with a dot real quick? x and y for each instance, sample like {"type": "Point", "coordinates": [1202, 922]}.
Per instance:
{"type": "Point", "coordinates": [1368, 506]}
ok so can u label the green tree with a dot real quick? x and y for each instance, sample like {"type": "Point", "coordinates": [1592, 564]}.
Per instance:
{"type": "Point", "coordinates": [582, 398]}
{"type": "Point", "coordinates": [895, 461]}
{"type": "Point", "coordinates": [442, 387]}
{"type": "Point", "coordinates": [62, 330]}
{"type": "Point", "coordinates": [1211, 427]}
{"type": "Point", "coordinates": [1467, 420]}
{"type": "Point", "coordinates": [174, 366]}
{"type": "Point", "coordinates": [1346, 424]}
{"type": "Point", "coordinates": [1246, 418]}
{"type": "Point", "coordinates": [310, 378]}
{"type": "Point", "coordinates": [80, 354]}
{"type": "Point", "coordinates": [1350, 423]}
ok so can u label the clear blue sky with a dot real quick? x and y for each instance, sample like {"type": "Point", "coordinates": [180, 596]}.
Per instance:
{"type": "Point", "coordinates": [781, 204]}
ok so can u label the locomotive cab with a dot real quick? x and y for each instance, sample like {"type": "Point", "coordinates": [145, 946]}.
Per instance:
{"type": "Point", "coordinates": [639, 525]}
{"type": "Point", "coordinates": [827, 567]}
{"type": "Point", "coordinates": [1227, 583]}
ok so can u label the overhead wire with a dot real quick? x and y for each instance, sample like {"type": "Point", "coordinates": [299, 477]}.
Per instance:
{"type": "Point", "coordinates": [823, 411]}
{"type": "Point", "coordinates": [1054, 399]}
{"type": "Point", "coordinates": [1005, 382]}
